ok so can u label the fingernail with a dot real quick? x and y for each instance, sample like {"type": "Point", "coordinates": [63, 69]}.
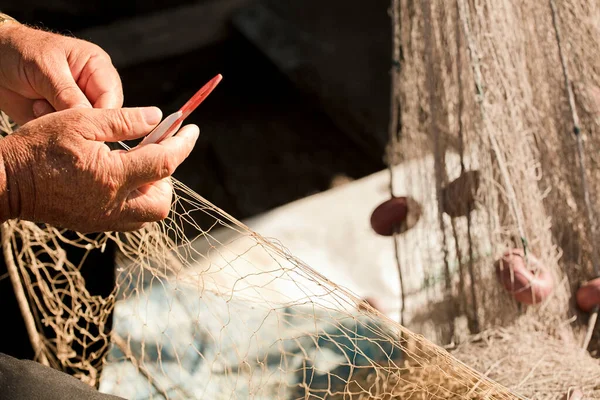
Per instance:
{"type": "Point", "coordinates": [152, 115]}
{"type": "Point", "coordinates": [41, 108]}
{"type": "Point", "coordinates": [196, 131]}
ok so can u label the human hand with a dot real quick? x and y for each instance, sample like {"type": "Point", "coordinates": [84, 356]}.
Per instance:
{"type": "Point", "coordinates": [57, 170]}
{"type": "Point", "coordinates": [42, 72]}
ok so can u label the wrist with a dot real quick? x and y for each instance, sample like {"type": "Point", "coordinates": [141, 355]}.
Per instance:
{"type": "Point", "coordinates": [10, 198]}
{"type": "Point", "coordinates": [5, 213]}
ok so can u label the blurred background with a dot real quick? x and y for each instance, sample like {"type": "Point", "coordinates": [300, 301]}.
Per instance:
{"type": "Point", "coordinates": [304, 103]}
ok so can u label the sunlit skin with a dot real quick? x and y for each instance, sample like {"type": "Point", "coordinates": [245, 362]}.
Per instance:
{"type": "Point", "coordinates": [57, 169]}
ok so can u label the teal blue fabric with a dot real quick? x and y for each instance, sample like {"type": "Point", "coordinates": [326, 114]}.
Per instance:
{"type": "Point", "coordinates": [207, 346]}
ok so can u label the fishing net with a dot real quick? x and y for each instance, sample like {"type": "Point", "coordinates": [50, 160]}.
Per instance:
{"type": "Point", "coordinates": [531, 362]}
{"type": "Point", "coordinates": [204, 307]}
{"type": "Point", "coordinates": [503, 97]}
{"type": "Point", "coordinates": [494, 112]}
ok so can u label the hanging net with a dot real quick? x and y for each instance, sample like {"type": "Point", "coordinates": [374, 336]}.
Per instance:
{"type": "Point", "coordinates": [495, 108]}
{"type": "Point", "coordinates": [502, 100]}
{"type": "Point", "coordinates": [492, 93]}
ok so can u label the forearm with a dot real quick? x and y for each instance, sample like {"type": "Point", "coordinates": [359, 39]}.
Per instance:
{"type": "Point", "coordinates": [7, 24]}
{"type": "Point", "coordinates": [4, 201]}
{"type": "Point", "coordinates": [6, 211]}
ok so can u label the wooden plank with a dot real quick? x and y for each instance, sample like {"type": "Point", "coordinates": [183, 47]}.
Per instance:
{"type": "Point", "coordinates": [165, 34]}
{"type": "Point", "coordinates": [336, 51]}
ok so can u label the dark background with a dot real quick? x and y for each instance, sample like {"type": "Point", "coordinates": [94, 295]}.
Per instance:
{"type": "Point", "coordinates": [304, 97]}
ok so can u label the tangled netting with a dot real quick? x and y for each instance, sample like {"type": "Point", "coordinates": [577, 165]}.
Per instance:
{"type": "Point", "coordinates": [206, 308]}
{"type": "Point", "coordinates": [533, 363]}
{"type": "Point", "coordinates": [203, 307]}
{"type": "Point", "coordinates": [507, 92]}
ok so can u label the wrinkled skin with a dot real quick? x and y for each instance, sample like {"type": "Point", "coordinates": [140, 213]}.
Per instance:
{"type": "Point", "coordinates": [41, 72]}
{"type": "Point", "coordinates": [57, 169]}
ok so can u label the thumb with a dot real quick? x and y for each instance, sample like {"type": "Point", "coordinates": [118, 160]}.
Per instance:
{"type": "Point", "coordinates": [61, 90]}
{"type": "Point", "coordinates": [123, 123]}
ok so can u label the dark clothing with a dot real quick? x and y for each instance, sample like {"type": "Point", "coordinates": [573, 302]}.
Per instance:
{"type": "Point", "coordinates": [23, 380]}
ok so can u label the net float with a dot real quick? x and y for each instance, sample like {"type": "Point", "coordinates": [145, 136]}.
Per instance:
{"type": "Point", "coordinates": [458, 197]}
{"type": "Point", "coordinates": [528, 281]}
{"type": "Point", "coordinates": [573, 395]}
{"type": "Point", "coordinates": [396, 215]}
{"type": "Point", "coordinates": [588, 295]}
{"type": "Point", "coordinates": [369, 302]}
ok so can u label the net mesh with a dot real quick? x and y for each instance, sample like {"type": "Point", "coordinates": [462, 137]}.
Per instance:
{"type": "Point", "coordinates": [502, 87]}
{"type": "Point", "coordinates": [203, 307]}
{"type": "Point", "coordinates": [211, 309]}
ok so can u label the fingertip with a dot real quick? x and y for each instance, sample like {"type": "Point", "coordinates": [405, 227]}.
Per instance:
{"type": "Point", "coordinates": [183, 142]}
{"type": "Point", "coordinates": [151, 115]}
{"type": "Point", "coordinates": [164, 185]}
{"type": "Point", "coordinates": [192, 131]}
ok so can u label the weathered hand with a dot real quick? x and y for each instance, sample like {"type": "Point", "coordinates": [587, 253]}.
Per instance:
{"type": "Point", "coordinates": [57, 170]}
{"type": "Point", "coordinates": [41, 72]}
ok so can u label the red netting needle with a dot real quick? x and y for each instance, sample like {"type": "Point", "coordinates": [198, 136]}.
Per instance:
{"type": "Point", "coordinates": [173, 122]}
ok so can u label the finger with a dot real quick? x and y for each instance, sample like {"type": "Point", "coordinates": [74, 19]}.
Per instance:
{"type": "Point", "coordinates": [156, 161]}
{"type": "Point", "coordinates": [61, 90]}
{"type": "Point", "coordinates": [101, 83]}
{"type": "Point", "coordinates": [130, 226]}
{"type": "Point", "coordinates": [150, 203]}
{"type": "Point", "coordinates": [19, 108]}
{"type": "Point", "coordinates": [41, 108]}
{"type": "Point", "coordinates": [111, 99]}
{"type": "Point", "coordinates": [122, 124]}
{"type": "Point", "coordinates": [165, 185]}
